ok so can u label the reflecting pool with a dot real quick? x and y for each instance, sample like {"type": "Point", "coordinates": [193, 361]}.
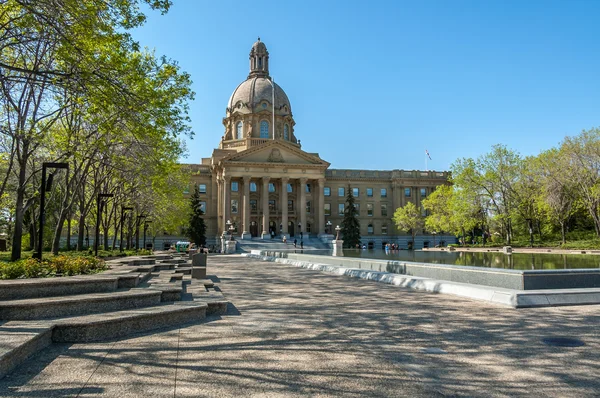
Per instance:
{"type": "Point", "coordinates": [521, 261]}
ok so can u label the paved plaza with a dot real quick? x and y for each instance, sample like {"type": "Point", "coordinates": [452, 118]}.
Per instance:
{"type": "Point", "coordinates": [295, 332]}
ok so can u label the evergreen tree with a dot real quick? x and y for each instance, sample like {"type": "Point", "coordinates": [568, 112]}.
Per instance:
{"type": "Point", "coordinates": [197, 229]}
{"type": "Point", "coordinates": [350, 224]}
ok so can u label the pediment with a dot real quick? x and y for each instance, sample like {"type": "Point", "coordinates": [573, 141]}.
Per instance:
{"type": "Point", "coordinates": [275, 152]}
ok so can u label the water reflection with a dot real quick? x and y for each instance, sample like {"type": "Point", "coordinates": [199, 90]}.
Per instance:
{"type": "Point", "coordinates": [520, 261]}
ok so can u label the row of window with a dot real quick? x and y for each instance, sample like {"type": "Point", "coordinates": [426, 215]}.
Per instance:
{"type": "Point", "coordinates": [370, 207]}
{"type": "Point", "coordinates": [264, 130]}
{"type": "Point", "coordinates": [327, 191]}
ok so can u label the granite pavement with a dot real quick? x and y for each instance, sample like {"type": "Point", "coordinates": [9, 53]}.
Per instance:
{"type": "Point", "coordinates": [293, 332]}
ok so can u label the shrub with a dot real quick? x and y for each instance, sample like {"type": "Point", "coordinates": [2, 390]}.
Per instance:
{"type": "Point", "coordinates": [13, 270]}
{"type": "Point", "coordinates": [57, 265]}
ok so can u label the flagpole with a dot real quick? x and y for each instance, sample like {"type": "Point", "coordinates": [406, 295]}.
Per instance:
{"type": "Point", "coordinates": [273, 103]}
{"type": "Point", "coordinates": [426, 169]}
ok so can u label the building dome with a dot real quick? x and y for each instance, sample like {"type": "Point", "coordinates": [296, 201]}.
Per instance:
{"type": "Point", "coordinates": [255, 90]}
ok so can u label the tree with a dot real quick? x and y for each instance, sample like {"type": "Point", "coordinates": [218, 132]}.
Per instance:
{"type": "Point", "coordinates": [350, 223]}
{"type": "Point", "coordinates": [197, 229]}
{"type": "Point", "coordinates": [409, 218]}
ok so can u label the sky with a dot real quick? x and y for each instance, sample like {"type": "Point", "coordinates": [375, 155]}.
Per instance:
{"type": "Point", "coordinates": [374, 84]}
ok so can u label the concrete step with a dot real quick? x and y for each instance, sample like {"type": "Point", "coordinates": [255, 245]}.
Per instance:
{"type": "Point", "coordinates": [62, 306]}
{"type": "Point", "coordinates": [46, 287]}
{"type": "Point", "coordinates": [122, 323]}
{"type": "Point", "coordinates": [19, 341]}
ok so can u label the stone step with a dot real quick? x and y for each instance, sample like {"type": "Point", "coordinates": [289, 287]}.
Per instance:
{"type": "Point", "coordinates": [62, 306]}
{"type": "Point", "coordinates": [122, 323]}
{"type": "Point", "coordinates": [60, 286]}
{"type": "Point", "coordinates": [20, 340]}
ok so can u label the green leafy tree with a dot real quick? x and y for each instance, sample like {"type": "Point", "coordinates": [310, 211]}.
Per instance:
{"type": "Point", "coordinates": [350, 223]}
{"type": "Point", "coordinates": [409, 218]}
{"type": "Point", "coordinates": [197, 229]}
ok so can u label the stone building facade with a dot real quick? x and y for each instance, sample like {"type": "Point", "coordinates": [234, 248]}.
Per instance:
{"type": "Point", "coordinates": [261, 180]}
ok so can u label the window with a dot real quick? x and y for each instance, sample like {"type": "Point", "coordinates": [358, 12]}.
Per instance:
{"type": "Point", "coordinates": [203, 207]}
{"type": "Point", "coordinates": [264, 129]}
{"type": "Point", "coordinates": [423, 192]}
{"type": "Point", "coordinates": [327, 191]}
{"type": "Point", "coordinates": [341, 209]}
{"type": "Point", "coordinates": [272, 205]}
{"type": "Point", "coordinates": [202, 188]}
{"type": "Point", "coordinates": [308, 206]}
{"type": "Point", "coordinates": [290, 205]}
{"type": "Point", "coordinates": [234, 206]}
{"type": "Point", "coordinates": [327, 209]}
{"type": "Point", "coordinates": [383, 193]}
{"type": "Point", "coordinates": [271, 187]}
{"type": "Point", "coordinates": [355, 192]}
{"type": "Point", "coordinates": [234, 186]}
{"type": "Point", "coordinates": [370, 229]}
{"type": "Point", "coordinates": [286, 132]}
{"type": "Point", "coordinates": [308, 228]}
{"type": "Point", "coordinates": [239, 131]}
{"type": "Point", "coordinates": [384, 229]}
{"type": "Point", "coordinates": [341, 191]}
{"type": "Point", "coordinates": [370, 209]}
{"type": "Point", "coordinates": [407, 192]}
{"type": "Point", "coordinates": [383, 210]}
{"type": "Point", "coordinates": [252, 187]}
{"type": "Point", "coordinates": [289, 188]}
{"type": "Point", "coordinates": [253, 206]}
{"type": "Point", "coordinates": [370, 192]}
{"type": "Point", "coordinates": [186, 189]}
{"type": "Point", "coordinates": [307, 188]}
{"type": "Point", "coordinates": [357, 207]}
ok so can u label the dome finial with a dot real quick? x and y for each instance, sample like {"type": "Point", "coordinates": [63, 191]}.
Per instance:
{"type": "Point", "coordinates": [258, 38]}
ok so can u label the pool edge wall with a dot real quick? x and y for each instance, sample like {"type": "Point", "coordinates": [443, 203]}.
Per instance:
{"type": "Point", "coordinates": [496, 277]}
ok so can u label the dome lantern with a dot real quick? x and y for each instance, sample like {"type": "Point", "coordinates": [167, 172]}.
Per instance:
{"type": "Point", "coordinates": [259, 60]}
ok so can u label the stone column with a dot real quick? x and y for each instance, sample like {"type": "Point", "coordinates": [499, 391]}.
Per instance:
{"type": "Point", "coordinates": [321, 206]}
{"type": "Point", "coordinates": [265, 207]}
{"type": "Point", "coordinates": [284, 206]}
{"type": "Point", "coordinates": [246, 234]}
{"type": "Point", "coordinates": [302, 205]}
{"type": "Point", "coordinates": [220, 201]}
{"type": "Point", "coordinates": [226, 202]}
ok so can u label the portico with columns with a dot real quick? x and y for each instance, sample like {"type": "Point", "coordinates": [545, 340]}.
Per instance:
{"type": "Point", "coordinates": [274, 189]}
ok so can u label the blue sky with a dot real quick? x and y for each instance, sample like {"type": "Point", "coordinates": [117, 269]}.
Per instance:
{"type": "Point", "coordinates": [373, 84]}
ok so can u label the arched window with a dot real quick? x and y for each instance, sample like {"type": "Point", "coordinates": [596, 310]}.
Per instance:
{"type": "Point", "coordinates": [286, 132]}
{"type": "Point", "coordinates": [264, 129]}
{"type": "Point", "coordinates": [239, 132]}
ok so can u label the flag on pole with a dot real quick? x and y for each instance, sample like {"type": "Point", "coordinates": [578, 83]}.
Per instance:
{"type": "Point", "coordinates": [427, 152]}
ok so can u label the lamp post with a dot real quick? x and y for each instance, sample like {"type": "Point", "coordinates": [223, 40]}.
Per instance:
{"type": "Point", "coordinates": [137, 230]}
{"type": "Point", "coordinates": [145, 228]}
{"type": "Point", "coordinates": [337, 230]}
{"type": "Point", "coordinates": [99, 205]}
{"type": "Point", "coordinates": [46, 186]}
{"type": "Point", "coordinates": [434, 233]}
{"type": "Point", "coordinates": [530, 224]}
{"type": "Point", "coordinates": [123, 210]}
{"type": "Point", "coordinates": [231, 229]}
{"type": "Point", "coordinates": [328, 225]}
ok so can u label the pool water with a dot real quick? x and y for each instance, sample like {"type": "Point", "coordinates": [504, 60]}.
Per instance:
{"type": "Point", "coordinates": [520, 261]}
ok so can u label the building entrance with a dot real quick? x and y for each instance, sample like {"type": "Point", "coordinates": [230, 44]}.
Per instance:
{"type": "Point", "coordinates": [291, 228]}
{"type": "Point", "coordinates": [254, 229]}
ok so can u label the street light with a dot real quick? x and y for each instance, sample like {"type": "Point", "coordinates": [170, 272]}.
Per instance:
{"type": "Point", "coordinates": [145, 228]}
{"type": "Point", "coordinates": [46, 186]}
{"type": "Point", "coordinates": [137, 230]}
{"type": "Point", "coordinates": [123, 210]}
{"type": "Point", "coordinates": [328, 225]}
{"type": "Point", "coordinates": [434, 233]}
{"type": "Point", "coordinates": [99, 204]}
{"type": "Point", "coordinates": [337, 229]}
